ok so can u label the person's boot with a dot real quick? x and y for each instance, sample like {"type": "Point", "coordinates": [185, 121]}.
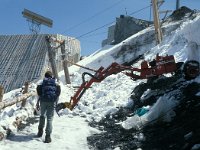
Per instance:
{"type": "Point", "coordinates": [40, 132]}
{"type": "Point", "coordinates": [47, 139]}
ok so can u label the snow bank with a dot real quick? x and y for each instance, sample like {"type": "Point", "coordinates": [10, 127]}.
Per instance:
{"type": "Point", "coordinates": [162, 110]}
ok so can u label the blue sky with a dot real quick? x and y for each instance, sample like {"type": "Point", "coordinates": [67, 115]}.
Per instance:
{"type": "Point", "coordinates": [76, 18]}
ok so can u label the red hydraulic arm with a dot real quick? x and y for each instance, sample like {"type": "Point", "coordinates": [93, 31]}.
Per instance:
{"type": "Point", "coordinates": [157, 67]}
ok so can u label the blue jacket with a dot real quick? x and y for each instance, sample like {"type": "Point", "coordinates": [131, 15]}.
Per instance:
{"type": "Point", "coordinates": [39, 90]}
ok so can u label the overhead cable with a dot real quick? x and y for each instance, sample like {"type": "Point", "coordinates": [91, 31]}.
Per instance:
{"type": "Point", "coordinates": [90, 18]}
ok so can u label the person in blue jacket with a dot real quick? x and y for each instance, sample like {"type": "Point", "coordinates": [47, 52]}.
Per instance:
{"type": "Point", "coordinates": [48, 92]}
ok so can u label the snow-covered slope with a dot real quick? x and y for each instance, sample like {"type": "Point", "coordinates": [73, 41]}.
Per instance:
{"type": "Point", "coordinates": [102, 97]}
{"type": "Point", "coordinates": [181, 39]}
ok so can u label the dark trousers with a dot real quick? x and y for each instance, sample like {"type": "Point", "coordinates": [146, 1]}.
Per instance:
{"type": "Point", "coordinates": [47, 111]}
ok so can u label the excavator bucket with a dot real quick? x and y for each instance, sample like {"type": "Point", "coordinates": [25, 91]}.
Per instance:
{"type": "Point", "coordinates": [63, 106]}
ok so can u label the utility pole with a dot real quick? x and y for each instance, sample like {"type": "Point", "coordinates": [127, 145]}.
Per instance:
{"type": "Point", "coordinates": [51, 58]}
{"type": "Point", "coordinates": [65, 63]}
{"type": "Point", "coordinates": [177, 4]}
{"type": "Point", "coordinates": [158, 31]}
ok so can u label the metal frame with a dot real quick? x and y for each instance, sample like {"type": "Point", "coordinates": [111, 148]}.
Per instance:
{"type": "Point", "coordinates": [35, 21]}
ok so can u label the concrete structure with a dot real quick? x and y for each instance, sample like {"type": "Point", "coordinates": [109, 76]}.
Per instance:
{"type": "Point", "coordinates": [110, 38]}
{"type": "Point", "coordinates": [25, 58]}
{"type": "Point", "coordinates": [125, 27]}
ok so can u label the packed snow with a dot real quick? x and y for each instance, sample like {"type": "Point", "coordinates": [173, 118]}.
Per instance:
{"type": "Point", "coordinates": [71, 129]}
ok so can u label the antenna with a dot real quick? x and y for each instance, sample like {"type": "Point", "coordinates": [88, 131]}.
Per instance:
{"type": "Point", "coordinates": [126, 11]}
{"type": "Point", "coordinates": [36, 20]}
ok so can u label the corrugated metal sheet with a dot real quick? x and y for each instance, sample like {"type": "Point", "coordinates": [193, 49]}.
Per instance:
{"type": "Point", "coordinates": [22, 58]}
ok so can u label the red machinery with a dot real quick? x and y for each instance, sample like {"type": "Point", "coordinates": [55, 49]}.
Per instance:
{"type": "Point", "coordinates": [158, 66]}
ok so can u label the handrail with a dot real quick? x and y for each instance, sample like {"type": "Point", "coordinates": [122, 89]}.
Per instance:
{"type": "Point", "coordinates": [5, 104]}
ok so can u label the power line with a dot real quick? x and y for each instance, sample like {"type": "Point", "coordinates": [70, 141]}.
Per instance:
{"type": "Point", "coordinates": [140, 10]}
{"type": "Point", "coordinates": [81, 36]}
{"type": "Point", "coordinates": [78, 37]}
{"type": "Point", "coordinates": [39, 54]}
{"type": "Point", "coordinates": [91, 42]}
{"type": "Point", "coordinates": [90, 18]}
{"type": "Point", "coordinates": [43, 52]}
{"type": "Point", "coordinates": [96, 34]}
{"type": "Point", "coordinates": [110, 23]}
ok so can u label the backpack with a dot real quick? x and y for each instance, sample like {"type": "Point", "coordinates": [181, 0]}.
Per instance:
{"type": "Point", "coordinates": [49, 90]}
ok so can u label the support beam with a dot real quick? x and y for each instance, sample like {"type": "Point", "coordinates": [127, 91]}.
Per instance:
{"type": "Point", "coordinates": [65, 63]}
{"type": "Point", "coordinates": [24, 92]}
{"type": "Point", "coordinates": [5, 104]}
{"type": "Point", "coordinates": [52, 58]}
{"type": "Point", "coordinates": [158, 31]}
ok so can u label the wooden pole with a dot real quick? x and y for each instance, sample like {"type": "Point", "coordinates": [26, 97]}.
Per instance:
{"type": "Point", "coordinates": [5, 104]}
{"type": "Point", "coordinates": [1, 93]}
{"type": "Point", "coordinates": [1, 136]}
{"type": "Point", "coordinates": [177, 4]}
{"type": "Point", "coordinates": [158, 30]}
{"type": "Point", "coordinates": [65, 63]}
{"type": "Point", "coordinates": [24, 92]}
{"type": "Point", "coordinates": [51, 58]}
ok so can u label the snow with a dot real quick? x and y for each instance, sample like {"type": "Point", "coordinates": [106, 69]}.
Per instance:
{"type": "Point", "coordinates": [161, 110]}
{"type": "Point", "coordinates": [69, 132]}
{"type": "Point", "coordinates": [196, 147]}
{"type": "Point", "coordinates": [71, 129]}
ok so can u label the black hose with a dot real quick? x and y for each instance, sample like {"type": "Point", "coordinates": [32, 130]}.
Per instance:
{"type": "Point", "coordinates": [86, 73]}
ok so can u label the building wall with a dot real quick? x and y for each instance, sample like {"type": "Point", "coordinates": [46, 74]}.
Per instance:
{"type": "Point", "coordinates": [72, 50]}
{"type": "Point", "coordinates": [110, 39]}
{"type": "Point", "coordinates": [124, 27]}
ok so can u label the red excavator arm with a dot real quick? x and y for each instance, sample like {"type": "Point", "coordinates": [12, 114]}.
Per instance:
{"type": "Point", "coordinates": [158, 66]}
